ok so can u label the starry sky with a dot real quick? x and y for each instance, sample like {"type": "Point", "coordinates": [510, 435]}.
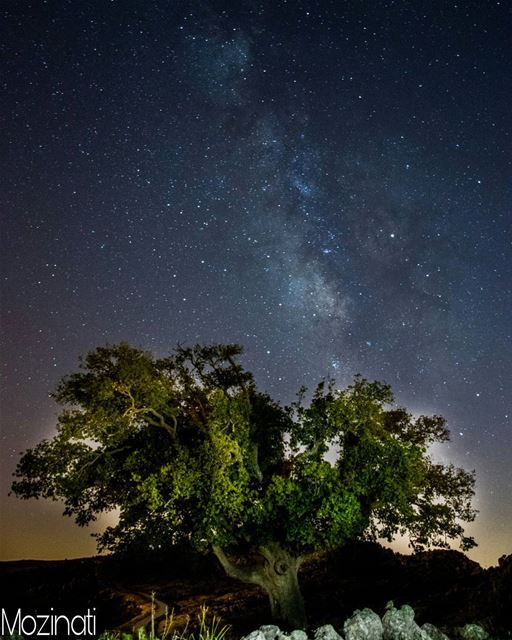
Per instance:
{"type": "Point", "coordinates": [327, 183]}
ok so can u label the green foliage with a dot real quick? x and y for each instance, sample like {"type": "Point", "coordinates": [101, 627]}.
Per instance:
{"type": "Point", "coordinates": [187, 448]}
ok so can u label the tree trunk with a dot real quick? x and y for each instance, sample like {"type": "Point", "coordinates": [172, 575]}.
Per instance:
{"type": "Point", "coordinates": [281, 582]}
{"type": "Point", "coordinates": [278, 577]}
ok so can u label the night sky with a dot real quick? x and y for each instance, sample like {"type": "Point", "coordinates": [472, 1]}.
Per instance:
{"type": "Point", "coordinates": [327, 183]}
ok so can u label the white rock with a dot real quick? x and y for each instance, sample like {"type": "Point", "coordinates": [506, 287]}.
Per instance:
{"type": "Point", "coordinates": [326, 632]}
{"type": "Point", "coordinates": [433, 632]}
{"type": "Point", "coordinates": [398, 624]}
{"type": "Point", "coordinates": [363, 625]}
{"type": "Point", "coordinates": [474, 632]}
{"type": "Point", "coordinates": [255, 635]}
{"type": "Point", "coordinates": [270, 631]}
{"type": "Point", "coordinates": [298, 634]}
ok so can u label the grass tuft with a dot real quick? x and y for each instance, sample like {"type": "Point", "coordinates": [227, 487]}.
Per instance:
{"type": "Point", "coordinates": [209, 628]}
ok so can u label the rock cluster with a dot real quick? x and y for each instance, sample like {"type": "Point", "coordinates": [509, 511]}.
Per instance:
{"type": "Point", "coordinates": [397, 624]}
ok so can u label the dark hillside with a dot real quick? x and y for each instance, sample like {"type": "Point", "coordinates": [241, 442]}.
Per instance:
{"type": "Point", "coordinates": [443, 587]}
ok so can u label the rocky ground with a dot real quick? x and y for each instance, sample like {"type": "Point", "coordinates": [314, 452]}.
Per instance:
{"type": "Point", "coordinates": [396, 624]}
{"type": "Point", "coordinates": [444, 588]}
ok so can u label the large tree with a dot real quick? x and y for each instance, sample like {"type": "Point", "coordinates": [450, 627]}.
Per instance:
{"type": "Point", "coordinates": [187, 447]}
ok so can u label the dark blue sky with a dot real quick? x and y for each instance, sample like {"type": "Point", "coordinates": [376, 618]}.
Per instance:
{"type": "Point", "coordinates": [327, 183]}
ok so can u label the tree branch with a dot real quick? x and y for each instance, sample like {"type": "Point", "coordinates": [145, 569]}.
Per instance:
{"type": "Point", "coordinates": [253, 456]}
{"type": "Point", "coordinates": [161, 421]}
{"type": "Point", "coordinates": [134, 411]}
{"type": "Point", "coordinates": [98, 456]}
{"type": "Point", "coordinates": [252, 574]}
{"type": "Point", "coordinates": [236, 369]}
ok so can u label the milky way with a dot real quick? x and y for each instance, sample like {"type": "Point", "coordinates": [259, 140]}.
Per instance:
{"type": "Point", "coordinates": [328, 184]}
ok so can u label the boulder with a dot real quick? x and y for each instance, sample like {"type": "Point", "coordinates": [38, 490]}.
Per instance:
{"type": "Point", "coordinates": [363, 625]}
{"type": "Point", "coordinates": [270, 631]}
{"type": "Point", "coordinates": [398, 624]}
{"type": "Point", "coordinates": [326, 632]}
{"type": "Point", "coordinates": [298, 634]}
{"type": "Point", "coordinates": [473, 632]}
{"type": "Point", "coordinates": [255, 635]}
{"type": "Point", "coordinates": [433, 632]}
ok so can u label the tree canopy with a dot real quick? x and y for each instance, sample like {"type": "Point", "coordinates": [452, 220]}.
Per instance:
{"type": "Point", "coordinates": [188, 448]}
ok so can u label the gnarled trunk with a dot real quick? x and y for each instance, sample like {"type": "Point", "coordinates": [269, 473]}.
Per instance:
{"type": "Point", "coordinates": [281, 582]}
{"type": "Point", "coordinates": [278, 577]}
